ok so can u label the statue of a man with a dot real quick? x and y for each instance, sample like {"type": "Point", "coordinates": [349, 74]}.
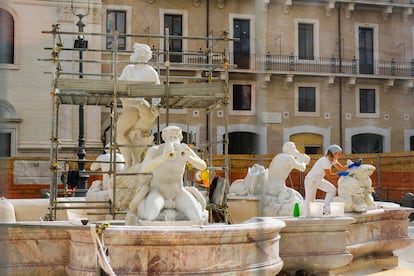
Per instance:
{"type": "Point", "coordinates": [281, 165]}
{"type": "Point", "coordinates": [140, 71]}
{"type": "Point", "coordinates": [167, 164]}
{"type": "Point", "coordinates": [277, 199]}
{"type": "Point", "coordinates": [138, 117]}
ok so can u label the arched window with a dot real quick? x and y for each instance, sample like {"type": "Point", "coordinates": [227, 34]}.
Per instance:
{"type": "Point", "coordinates": [6, 37]}
{"type": "Point", "coordinates": [309, 143]}
{"type": "Point", "coordinates": [242, 142]}
{"type": "Point", "coordinates": [8, 131]}
{"type": "Point", "coordinates": [367, 143]}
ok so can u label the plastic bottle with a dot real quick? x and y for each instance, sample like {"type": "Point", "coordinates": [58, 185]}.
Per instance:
{"type": "Point", "coordinates": [296, 210]}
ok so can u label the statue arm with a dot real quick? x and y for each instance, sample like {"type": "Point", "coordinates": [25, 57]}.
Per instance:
{"type": "Point", "coordinates": [300, 166]}
{"type": "Point", "coordinates": [192, 157]}
{"type": "Point", "coordinates": [196, 161]}
{"type": "Point", "coordinates": [151, 161]}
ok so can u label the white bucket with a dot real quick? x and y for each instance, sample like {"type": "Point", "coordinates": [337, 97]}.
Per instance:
{"type": "Point", "coordinates": [337, 209]}
{"type": "Point", "coordinates": [315, 209]}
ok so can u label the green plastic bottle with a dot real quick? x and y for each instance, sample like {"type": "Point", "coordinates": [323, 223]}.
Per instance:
{"type": "Point", "coordinates": [296, 210]}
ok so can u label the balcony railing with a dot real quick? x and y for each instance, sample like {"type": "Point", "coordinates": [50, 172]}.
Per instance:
{"type": "Point", "coordinates": [290, 63]}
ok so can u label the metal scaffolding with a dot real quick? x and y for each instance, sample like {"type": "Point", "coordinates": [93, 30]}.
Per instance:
{"type": "Point", "coordinates": [108, 92]}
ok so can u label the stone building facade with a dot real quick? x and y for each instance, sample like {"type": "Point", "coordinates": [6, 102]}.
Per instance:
{"type": "Point", "coordinates": [314, 72]}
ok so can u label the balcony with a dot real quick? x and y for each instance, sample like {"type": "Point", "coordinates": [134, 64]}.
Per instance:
{"type": "Point", "coordinates": [290, 64]}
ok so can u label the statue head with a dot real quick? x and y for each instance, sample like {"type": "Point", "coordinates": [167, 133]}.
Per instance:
{"type": "Point", "coordinates": [172, 133]}
{"type": "Point", "coordinates": [142, 53]}
{"type": "Point", "coordinates": [289, 147]}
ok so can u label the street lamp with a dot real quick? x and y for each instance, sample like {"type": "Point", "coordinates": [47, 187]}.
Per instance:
{"type": "Point", "coordinates": [82, 45]}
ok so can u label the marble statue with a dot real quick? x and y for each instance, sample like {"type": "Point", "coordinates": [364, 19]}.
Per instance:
{"type": "Point", "coordinates": [355, 189]}
{"type": "Point", "coordinates": [165, 198]}
{"type": "Point", "coordinates": [252, 183]}
{"type": "Point", "coordinates": [99, 188]}
{"type": "Point", "coordinates": [276, 198]}
{"type": "Point", "coordinates": [138, 116]}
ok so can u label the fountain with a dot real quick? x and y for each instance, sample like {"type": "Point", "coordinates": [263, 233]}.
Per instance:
{"type": "Point", "coordinates": [360, 235]}
{"type": "Point", "coordinates": [165, 230]}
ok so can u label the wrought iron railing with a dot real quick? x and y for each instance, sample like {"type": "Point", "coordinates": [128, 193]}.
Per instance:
{"type": "Point", "coordinates": [291, 63]}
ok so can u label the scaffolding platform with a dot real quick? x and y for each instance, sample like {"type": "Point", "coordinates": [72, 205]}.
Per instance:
{"type": "Point", "coordinates": [173, 96]}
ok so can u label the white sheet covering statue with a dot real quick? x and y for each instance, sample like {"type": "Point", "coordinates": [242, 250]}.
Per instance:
{"type": "Point", "coordinates": [138, 116]}
{"type": "Point", "coordinates": [99, 191]}
{"type": "Point", "coordinates": [276, 198]}
{"type": "Point", "coordinates": [355, 189]}
{"type": "Point", "coordinates": [252, 183]}
{"type": "Point", "coordinates": [166, 198]}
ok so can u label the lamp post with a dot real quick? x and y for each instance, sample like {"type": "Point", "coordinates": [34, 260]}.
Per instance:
{"type": "Point", "coordinates": [81, 44]}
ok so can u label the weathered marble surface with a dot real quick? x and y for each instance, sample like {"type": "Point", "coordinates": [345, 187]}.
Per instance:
{"type": "Point", "coordinates": [66, 249]}
{"type": "Point", "coordinates": [30, 249]}
{"type": "Point", "coordinates": [315, 244]}
{"type": "Point", "coordinates": [337, 244]}
{"type": "Point", "coordinates": [378, 232]}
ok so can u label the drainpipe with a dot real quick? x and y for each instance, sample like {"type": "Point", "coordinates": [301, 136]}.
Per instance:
{"type": "Point", "coordinates": [208, 114]}
{"type": "Point", "coordinates": [340, 71]}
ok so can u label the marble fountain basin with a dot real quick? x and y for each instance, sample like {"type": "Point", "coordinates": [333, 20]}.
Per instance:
{"type": "Point", "coordinates": [336, 245]}
{"type": "Point", "coordinates": [66, 247]}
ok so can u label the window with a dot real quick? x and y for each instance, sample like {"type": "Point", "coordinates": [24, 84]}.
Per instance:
{"type": "Point", "coordinates": [313, 149]}
{"type": "Point", "coordinates": [306, 41]}
{"type": "Point", "coordinates": [243, 142]}
{"type": "Point", "coordinates": [241, 30]}
{"type": "Point", "coordinates": [242, 99]}
{"type": "Point", "coordinates": [367, 100]}
{"type": "Point", "coordinates": [366, 50]}
{"type": "Point", "coordinates": [307, 99]}
{"type": "Point", "coordinates": [6, 37]}
{"type": "Point", "coordinates": [307, 142]}
{"type": "Point", "coordinates": [174, 23]}
{"type": "Point", "coordinates": [116, 21]}
{"type": "Point", "coordinates": [367, 143]}
{"type": "Point", "coordinates": [5, 142]}
{"type": "Point", "coordinates": [412, 143]}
